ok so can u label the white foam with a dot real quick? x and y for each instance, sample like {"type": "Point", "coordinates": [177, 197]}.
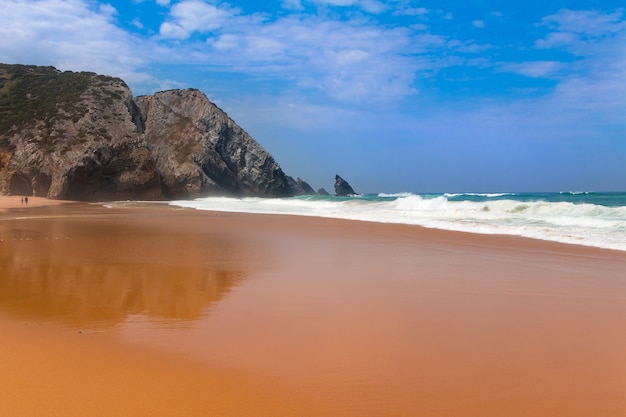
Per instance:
{"type": "Point", "coordinates": [490, 195]}
{"type": "Point", "coordinates": [584, 224]}
{"type": "Point", "coordinates": [391, 195]}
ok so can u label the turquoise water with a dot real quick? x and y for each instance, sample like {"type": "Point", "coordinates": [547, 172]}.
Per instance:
{"type": "Point", "coordinates": [585, 218]}
{"type": "Point", "coordinates": [601, 199]}
{"type": "Point", "coordinates": [607, 199]}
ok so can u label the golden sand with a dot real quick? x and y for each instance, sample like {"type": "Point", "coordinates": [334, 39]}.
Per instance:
{"type": "Point", "coordinates": [160, 312]}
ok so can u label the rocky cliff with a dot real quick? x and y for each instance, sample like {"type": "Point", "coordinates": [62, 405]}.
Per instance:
{"type": "Point", "coordinates": [83, 136]}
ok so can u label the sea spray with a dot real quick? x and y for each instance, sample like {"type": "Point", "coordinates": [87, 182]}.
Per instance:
{"type": "Point", "coordinates": [591, 219]}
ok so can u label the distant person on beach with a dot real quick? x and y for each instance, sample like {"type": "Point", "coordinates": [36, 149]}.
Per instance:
{"type": "Point", "coordinates": [26, 200]}
{"type": "Point", "coordinates": [22, 200]}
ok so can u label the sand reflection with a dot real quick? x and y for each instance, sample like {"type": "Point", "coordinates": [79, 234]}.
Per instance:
{"type": "Point", "coordinates": [97, 272]}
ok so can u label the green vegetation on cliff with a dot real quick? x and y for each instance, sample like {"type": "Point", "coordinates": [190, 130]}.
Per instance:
{"type": "Point", "coordinates": [30, 94]}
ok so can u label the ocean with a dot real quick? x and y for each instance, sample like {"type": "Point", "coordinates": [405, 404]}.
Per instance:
{"type": "Point", "coordinates": [584, 218]}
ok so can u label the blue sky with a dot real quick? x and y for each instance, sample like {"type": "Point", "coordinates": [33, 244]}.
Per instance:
{"type": "Point", "coordinates": [399, 95]}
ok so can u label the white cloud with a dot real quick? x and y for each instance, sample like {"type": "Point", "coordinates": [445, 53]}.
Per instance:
{"type": "Point", "coordinates": [557, 39]}
{"type": "Point", "coordinates": [370, 6]}
{"type": "Point", "coordinates": [108, 10]}
{"type": "Point", "coordinates": [66, 34]}
{"type": "Point", "coordinates": [292, 5]}
{"type": "Point", "coordinates": [373, 6]}
{"type": "Point", "coordinates": [356, 60]}
{"type": "Point", "coordinates": [593, 86]}
{"type": "Point", "coordinates": [598, 90]}
{"type": "Point", "coordinates": [478, 23]}
{"type": "Point", "coordinates": [414, 11]}
{"type": "Point", "coordinates": [587, 22]}
{"type": "Point", "coordinates": [533, 69]}
{"type": "Point", "coordinates": [467, 47]}
{"type": "Point", "coordinates": [362, 63]}
{"type": "Point", "coordinates": [579, 31]}
{"type": "Point", "coordinates": [191, 16]}
{"type": "Point", "coordinates": [343, 3]}
{"type": "Point", "coordinates": [598, 40]}
{"type": "Point", "coordinates": [263, 47]}
{"type": "Point", "coordinates": [350, 60]}
{"type": "Point", "coordinates": [226, 41]}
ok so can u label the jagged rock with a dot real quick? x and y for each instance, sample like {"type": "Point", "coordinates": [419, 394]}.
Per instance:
{"type": "Point", "coordinates": [342, 188]}
{"type": "Point", "coordinates": [303, 185]}
{"type": "Point", "coordinates": [300, 187]}
{"type": "Point", "coordinates": [199, 150]}
{"type": "Point", "coordinates": [322, 191]}
{"type": "Point", "coordinates": [83, 136]}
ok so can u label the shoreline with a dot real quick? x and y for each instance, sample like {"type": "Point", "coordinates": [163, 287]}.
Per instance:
{"type": "Point", "coordinates": [17, 202]}
{"type": "Point", "coordinates": [158, 310]}
{"type": "Point", "coordinates": [585, 221]}
{"type": "Point", "coordinates": [11, 204]}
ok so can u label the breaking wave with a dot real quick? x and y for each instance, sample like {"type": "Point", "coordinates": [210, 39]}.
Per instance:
{"type": "Point", "coordinates": [591, 219]}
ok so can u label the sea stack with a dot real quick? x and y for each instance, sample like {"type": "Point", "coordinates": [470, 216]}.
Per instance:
{"type": "Point", "coordinates": [342, 188]}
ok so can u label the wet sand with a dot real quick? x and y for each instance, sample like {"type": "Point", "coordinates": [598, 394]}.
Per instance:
{"type": "Point", "coordinates": [160, 311]}
{"type": "Point", "coordinates": [17, 202]}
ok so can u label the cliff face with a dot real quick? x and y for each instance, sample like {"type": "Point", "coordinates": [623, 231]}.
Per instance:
{"type": "Point", "coordinates": [82, 136]}
{"type": "Point", "coordinates": [198, 149]}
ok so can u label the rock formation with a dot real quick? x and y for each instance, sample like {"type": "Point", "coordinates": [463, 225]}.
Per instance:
{"type": "Point", "coordinates": [342, 188]}
{"type": "Point", "coordinates": [303, 188]}
{"type": "Point", "coordinates": [83, 136]}
{"type": "Point", "coordinates": [198, 149]}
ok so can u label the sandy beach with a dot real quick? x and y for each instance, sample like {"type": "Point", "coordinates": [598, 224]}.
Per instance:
{"type": "Point", "coordinates": [159, 311]}
{"type": "Point", "coordinates": [18, 203]}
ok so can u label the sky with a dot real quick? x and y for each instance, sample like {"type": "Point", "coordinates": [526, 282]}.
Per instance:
{"type": "Point", "coordinates": [394, 96]}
